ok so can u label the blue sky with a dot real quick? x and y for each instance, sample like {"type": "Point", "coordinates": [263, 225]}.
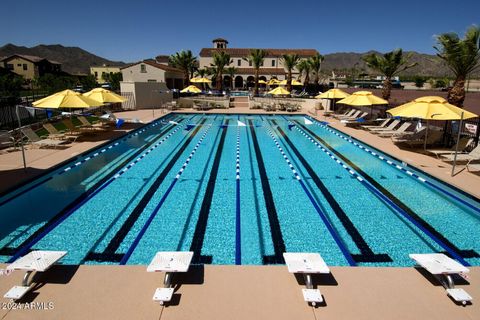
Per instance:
{"type": "Point", "coordinates": [135, 30]}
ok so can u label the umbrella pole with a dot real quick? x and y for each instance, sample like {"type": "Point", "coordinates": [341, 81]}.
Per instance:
{"type": "Point", "coordinates": [21, 138]}
{"type": "Point", "coordinates": [456, 146]}
{"type": "Point", "coordinates": [426, 135]}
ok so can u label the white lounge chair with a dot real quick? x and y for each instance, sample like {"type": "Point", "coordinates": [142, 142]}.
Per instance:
{"type": "Point", "coordinates": [168, 262]}
{"type": "Point", "coordinates": [462, 145]}
{"type": "Point", "coordinates": [307, 264]}
{"type": "Point", "coordinates": [346, 114]}
{"type": "Point", "coordinates": [390, 133]}
{"type": "Point", "coordinates": [392, 125]}
{"type": "Point", "coordinates": [355, 115]}
{"type": "Point", "coordinates": [442, 267]}
{"type": "Point", "coordinates": [35, 261]}
{"type": "Point", "coordinates": [471, 156]}
{"type": "Point", "coordinates": [381, 125]}
{"type": "Point", "coordinates": [37, 141]}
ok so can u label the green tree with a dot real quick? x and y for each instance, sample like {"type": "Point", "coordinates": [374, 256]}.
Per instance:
{"type": "Point", "coordinates": [316, 66]}
{"type": "Point", "coordinates": [114, 80]}
{"type": "Point", "coordinates": [88, 82]}
{"type": "Point", "coordinates": [461, 56]}
{"type": "Point", "coordinates": [389, 65]}
{"type": "Point", "coordinates": [51, 83]}
{"type": "Point", "coordinates": [419, 81]}
{"type": "Point", "coordinates": [231, 71]}
{"type": "Point", "coordinates": [220, 61]}
{"type": "Point", "coordinates": [185, 61]}
{"type": "Point", "coordinates": [10, 85]}
{"type": "Point", "coordinates": [304, 67]}
{"type": "Point", "coordinates": [256, 58]}
{"type": "Point", "coordinates": [290, 61]}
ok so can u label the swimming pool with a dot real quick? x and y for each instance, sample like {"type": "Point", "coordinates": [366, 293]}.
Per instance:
{"type": "Point", "coordinates": [238, 189]}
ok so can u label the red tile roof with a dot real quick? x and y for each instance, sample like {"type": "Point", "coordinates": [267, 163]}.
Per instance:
{"type": "Point", "coordinates": [156, 65]}
{"type": "Point", "coordinates": [219, 40]}
{"type": "Point", "coordinates": [272, 53]}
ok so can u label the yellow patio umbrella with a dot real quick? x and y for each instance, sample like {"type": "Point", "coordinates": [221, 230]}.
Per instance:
{"type": "Point", "coordinates": [191, 89]}
{"type": "Point", "coordinates": [262, 81]}
{"type": "Point", "coordinates": [333, 95]}
{"type": "Point", "coordinates": [279, 91]}
{"type": "Point", "coordinates": [273, 82]}
{"type": "Point", "coordinates": [200, 80]}
{"type": "Point", "coordinates": [104, 96]}
{"type": "Point", "coordinates": [433, 108]}
{"type": "Point", "coordinates": [294, 83]}
{"type": "Point", "coordinates": [362, 98]}
{"type": "Point", "coordinates": [66, 99]}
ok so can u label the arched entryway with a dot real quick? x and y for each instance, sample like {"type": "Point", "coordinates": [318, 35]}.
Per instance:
{"type": "Point", "coordinates": [227, 82]}
{"type": "Point", "coordinates": [262, 85]}
{"type": "Point", "coordinates": [250, 81]}
{"type": "Point", "coordinates": [238, 82]}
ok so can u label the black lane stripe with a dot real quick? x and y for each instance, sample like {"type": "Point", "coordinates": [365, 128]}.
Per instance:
{"type": "Point", "coordinates": [109, 254]}
{"type": "Point", "coordinates": [275, 230]}
{"type": "Point", "coordinates": [366, 253]}
{"type": "Point", "coordinates": [201, 226]}
{"type": "Point", "coordinates": [7, 251]}
{"type": "Point", "coordinates": [463, 253]}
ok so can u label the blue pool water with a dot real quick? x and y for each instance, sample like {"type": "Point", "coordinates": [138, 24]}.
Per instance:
{"type": "Point", "coordinates": [238, 194]}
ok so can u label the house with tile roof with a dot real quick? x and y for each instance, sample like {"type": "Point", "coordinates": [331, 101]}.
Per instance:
{"type": "Point", "coordinates": [245, 76]}
{"type": "Point", "coordinates": [30, 66]}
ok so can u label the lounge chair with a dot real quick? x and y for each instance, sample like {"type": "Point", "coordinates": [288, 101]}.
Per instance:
{"type": "Point", "coordinates": [75, 130]}
{"type": "Point", "coordinates": [55, 134]}
{"type": "Point", "coordinates": [168, 262]}
{"type": "Point", "coordinates": [6, 140]}
{"type": "Point", "coordinates": [355, 115]}
{"type": "Point", "coordinates": [463, 143]}
{"type": "Point", "coordinates": [381, 125]}
{"type": "Point", "coordinates": [417, 139]}
{"type": "Point", "coordinates": [307, 264]}
{"type": "Point", "coordinates": [391, 126]}
{"type": "Point", "coordinates": [35, 261]}
{"type": "Point", "coordinates": [35, 140]}
{"type": "Point", "coordinates": [390, 133]}
{"type": "Point", "coordinates": [346, 114]}
{"type": "Point", "coordinates": [471, 156]}
{"type": "Point", "coordinates": [442, 268]}
{"type": "Point", "coordinates": [474, 166]}
{"type": "Point", "coordinates": [92, 125]}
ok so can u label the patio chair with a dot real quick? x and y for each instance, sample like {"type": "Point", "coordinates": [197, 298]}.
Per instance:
{"type": "Point", "coordinates": [442, 268]}
{"type": "Point", "coordinates": [97, 125]}
{"type": "Point", "coordinates": [390, 133]}
{"type": "Point", "coordinates": [354, 115]}
{"type": "Point", "coordinates": [61, 135]}
{"type": "Point", "coordinates": [417, 139]}
{"type": "Point", "coordinates": [469, 157]}
{"type": "Point", "coordinates": [392, 125]}
{"type": "Point", "coordinates": [381, 125]}
{"type": "Point", "coordinates": [463, 143]}
{"type": "Point", "coordinates": [346, 114]}
{"type": "Point", "coordinates": [474, 166]}
{"type": "Point", "coordinates": [74, 129]}
{"type": "Point", "coordinates": [307, 264]}
{"type": "Point", "coordinates": [35, 140]}
{"type": "Point", "coordinates": [354, 118]}
{"type": "Point", "coordinates": [6, 140]}
{"type": "Point", "coordinates": [35, 261]}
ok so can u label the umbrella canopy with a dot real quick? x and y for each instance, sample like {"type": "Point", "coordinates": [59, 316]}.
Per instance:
{"type": "Point", "coordinates": [279, 91]}
{"type": "Point", "coordinates": [333, 94]}
{"type": "Point", "coordinates": [104, 96]}
{"type": "Point", "coordinates": [200, 80]}
{"type": "Point", "coordinates": [273, 82]}
{"type": "Point", "coordinates": [191, 89]}
{"type": "Point", "coordinates": [262, 81]}
{"type": "Point", "coordinates": [66, 99]}
{"type": "Point", "coordinates": [294, 83]}
{"type": "Point", "coordinates": [430, 108]}
{"type": "Point", "coordinates": [363, 98]}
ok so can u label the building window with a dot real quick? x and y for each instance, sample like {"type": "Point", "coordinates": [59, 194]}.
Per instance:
{"type": "Point", "coordinates": [143, 68]}
{"type": "Point", "coordinates": [273, 63]}
{"type": "Point", "coordinates": [261, 64]}
{"type": "Point", "coordinates": [9, 66]}
{"type": "Point", "coordinates": [19, 65]}
{"type": "Point", "coordinates": [239, 62]}
{"type": "Point", "coordinates": [151, 80]}
{"type": "Point", "coordinates": [249, 63]}
{"type": "Point", "coordinates": [25, 67]}
{"type": "Point", "coordinates": [96, 74]}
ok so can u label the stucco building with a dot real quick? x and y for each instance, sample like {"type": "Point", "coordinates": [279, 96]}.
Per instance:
{"type": "Point", "coordinates": [30, 67]}
{"type": "Point", "coordinates": [100, 72]}
{"type": "Point", "coordinates": [245, 75]}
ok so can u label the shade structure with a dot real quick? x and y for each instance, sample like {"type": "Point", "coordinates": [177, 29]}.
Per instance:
{"type": "Point", "coordinates": [200, 80]}
{"type": "Point", "coordinates": [191, 89]}
{"type": "Point", "coordinates": [104, 96]}
{"type": "Point", "coordinates": [66, 99]}
{"type": "Point", "coordinates": [294, 83]}
{"type": "Point", "coordinates": [279, 91]}
{"type": "Point", "coordinates": [430, 108]}
{"type": "Point", "coordinates": [363, 98]}
{"type": "Point", "coordinates": [333, 94]}
{"type": "Point", "coordinates": [273, 82]}
{"type": "Point", "coordinates": [262, 81]}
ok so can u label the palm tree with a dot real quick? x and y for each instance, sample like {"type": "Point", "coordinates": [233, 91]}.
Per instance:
{"type": "Point", "coordinates": [231, 71]}
{"type": "Point", "coordinates": [304, 67]}
{"type": "Point", "coordinates": [390, 64]}
{"type": "Point", "coordinates": [316, 66]}
{"type": "Point", "coordinates": [220, 60]}
{"type": "Point", "coordinates": [290, 61]}
{"type": "Point", "coordinates": [461, 56]}
{"type": "Point", "coordinates": [185, 61]}
{"type": "Point", "coordinates": [256, 58]}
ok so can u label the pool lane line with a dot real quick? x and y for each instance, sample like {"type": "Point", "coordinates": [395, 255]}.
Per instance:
{"type": "Point", "coordinates": [238, 230]}
{"type": "Point", "coordinates": [366, 253]}
{"type": "Point", "coordinates": [274, 223]}
{"type": "Point", "coordinates": [201, 226]}
{"type": "Point", "coordinates": [72, 207]}
{"type": "Point", "coordinates": [336, 237]}
{"type": "Point", "coordinates": [108, 253]}
{"type": "Point", "coordinates": [403, 169]}
{"type": "Point", "coordinates": [68, 168]}
{"type": "Point", "coordinates": [139, 236]}
{"type": "Point", "coordinates": [393, 202]}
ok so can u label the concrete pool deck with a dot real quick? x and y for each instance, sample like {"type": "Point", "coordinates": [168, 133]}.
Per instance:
{"type": "Point", "coordinates": [235, 292]}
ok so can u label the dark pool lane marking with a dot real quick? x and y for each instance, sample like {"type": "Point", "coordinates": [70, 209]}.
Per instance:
{"type": "Point", "coordinates": [201, 226]}
{"type": "Point", "coordinates": [366, 253]}
{"type": "Point", "coordinates": [275, 230]}
{"type": "Point", "coordinates": [23, 248]}
{"type": "Point", "coordinates": [400, 207]}
{"type": "Point", "coordinates": [238, 221]}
